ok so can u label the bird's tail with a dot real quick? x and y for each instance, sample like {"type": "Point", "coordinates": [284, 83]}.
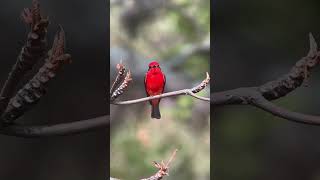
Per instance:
{"type": "Point", "coordinates": [155, 111]}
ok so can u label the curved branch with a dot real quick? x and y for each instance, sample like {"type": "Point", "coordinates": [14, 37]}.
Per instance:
{"type": "Point", "coordinates": [198, 97]}
{"type": "Point", "coordinates": [296, 77]}
{"type": "Point", "coordinates": [251, 96]}
{"type": "Point", "coordinates": [270, 107]}
{"type": "Point", "coordinates": [262, 95]}
{"type": "Point", "coordinates": [169, 94]}
{"type": "Point", "coordinates": [57, 129]}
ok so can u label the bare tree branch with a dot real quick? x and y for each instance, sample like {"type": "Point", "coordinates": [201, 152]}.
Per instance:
{"type": "Point", "coordinates": [164, 95]}
{"type": "Point", "coordinates": [13, 107]}
{"type": "Point", "coordinates": [56, 129]}
{"type": "Point", "coordinates": [190, 92]}
{"type": "Point", "coordinates": [298, 74]}
{"type": "Point", "coordinates": [261, 95]}
{"type": "Point", "coordinates": [284, 113]}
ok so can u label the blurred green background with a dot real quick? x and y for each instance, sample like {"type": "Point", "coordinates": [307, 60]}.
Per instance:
{"type": "Point", "coordinates": [177, 34]}
{"type": "Point", "coordinates": [254, 42]}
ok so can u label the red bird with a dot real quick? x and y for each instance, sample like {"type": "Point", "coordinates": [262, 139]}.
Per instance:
{"type": "Point", "coordinates": [154, 82]}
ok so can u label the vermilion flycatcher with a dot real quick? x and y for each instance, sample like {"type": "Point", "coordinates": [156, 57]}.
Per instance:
{"type": "Point", "coordinates": [154, 82]}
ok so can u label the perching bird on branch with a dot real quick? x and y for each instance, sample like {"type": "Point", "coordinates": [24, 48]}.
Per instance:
{"type": "Point", "coordinates": [154, 82]}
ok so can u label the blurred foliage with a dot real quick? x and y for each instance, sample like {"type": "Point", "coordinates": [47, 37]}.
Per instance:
{"type": "Point", "coordinates": [163, 29]}
{"type": "Point", "coordinates": [177, 23]}
{"type": "Point", "coordinates": [132, 152]}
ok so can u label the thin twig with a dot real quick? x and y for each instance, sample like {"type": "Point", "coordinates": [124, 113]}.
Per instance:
{"type": "Point", "coordinates": [164, 95]}
{"type": "Point", "coordinates": [173, 155]}
{"type": "Point", "coordinates": [270, 107]}
{"type": "Point", "coordinates": [163, 168]}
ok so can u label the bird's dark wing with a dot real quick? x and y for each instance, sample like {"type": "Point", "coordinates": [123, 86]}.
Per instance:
{"type": "Point", "coordinates": [145, 87]}
{"type": "Point", "coordinates": [145, 84]}
{"type": "Point", "coordinates": [164, 83]}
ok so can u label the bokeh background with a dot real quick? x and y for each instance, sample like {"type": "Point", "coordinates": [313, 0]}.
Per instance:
{"type": "Point", "coordinates": [177, 34]}
{"type": "Point", "coordinates": [254, 42]}
{"type": "Point", "coordinates": [78, 92]}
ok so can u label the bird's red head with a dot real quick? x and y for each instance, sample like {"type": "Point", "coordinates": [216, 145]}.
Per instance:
{"type": "Point", "coordinates": [154, 64]}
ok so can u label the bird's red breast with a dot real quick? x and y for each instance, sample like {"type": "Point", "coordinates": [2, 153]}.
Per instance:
{"type": "Point", "coordinates": [154, 81]}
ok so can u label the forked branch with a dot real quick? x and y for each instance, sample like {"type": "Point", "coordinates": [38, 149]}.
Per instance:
{"type": "Point", "coordinates": [62, 129]}
{"type": "Point", "coordinates": [14, 103]}
{"type": "Point", "coordinates": [31, 93]}
{"type": "Point", "coordinates": [33, 50]}
{"type": "Point", "coordinates": [163, 168]}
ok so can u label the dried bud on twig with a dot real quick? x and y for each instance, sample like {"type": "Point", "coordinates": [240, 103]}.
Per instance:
{"type": "Point", "coordinates": [296, 77]}
{"type": "Point", "coordinates": [122, 87]}
{"type": "Point", "coordinates": [120, 77]}
{"type": "Point", "coordinates": [36, 11]}
{"type": "Point", "coordinates": [163, 168]}
{"type": "Point", "coordinates": [30, 54]}
{"type": "Point", "coordinates": [203, 84]}
{"type": "Point", "coordinates": [33, 18]}
{"type": "Point", "coordinates": [31, 93]}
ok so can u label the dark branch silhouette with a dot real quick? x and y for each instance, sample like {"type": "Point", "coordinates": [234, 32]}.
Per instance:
{"type": "Point", "coordinates": [15, 102]}
{"type": "Point", "coordinates": [30, 54]}
{"type": "Point", "coordinates": [31, 93]}
{"type": "Point", "coordinates": [261, 96]}
{"type": "Point", "coordinates": [61, 129]}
